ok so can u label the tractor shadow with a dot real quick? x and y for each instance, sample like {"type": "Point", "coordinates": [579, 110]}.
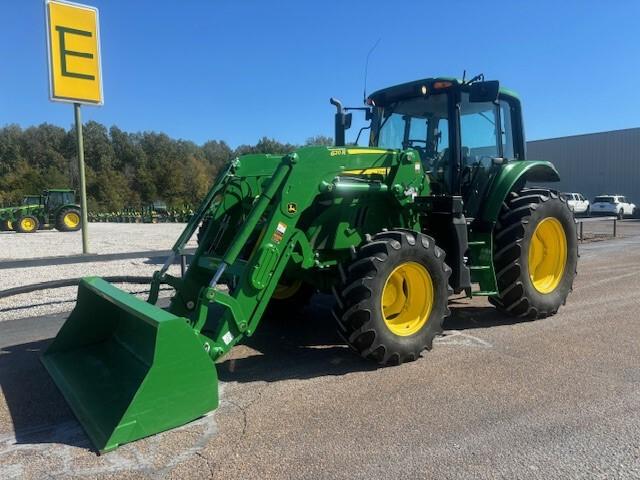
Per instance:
{"type": "Point", "coordinates": [302, 346]}
{"type": "Point", "coordinates": [38, 411]}
{"type": "Point", "coordinates": [467, 316]}
{"type": "Point", "coordinates": [306, 345]}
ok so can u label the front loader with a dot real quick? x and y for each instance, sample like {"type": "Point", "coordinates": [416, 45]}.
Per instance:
{"type": "Point", "coordinates": [437, 203]}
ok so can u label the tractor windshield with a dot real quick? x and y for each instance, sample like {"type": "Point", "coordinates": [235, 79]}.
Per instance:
{"type": "Point", "coordinates": [420, 123]}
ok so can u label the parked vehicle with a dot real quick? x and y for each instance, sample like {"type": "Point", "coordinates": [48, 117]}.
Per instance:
{"type": "Point", "coordinates": [55, 208]}
{"type": "Point", "coordinates": [613, 205]}
{"type": "Point", "coordinates": [578, 204]}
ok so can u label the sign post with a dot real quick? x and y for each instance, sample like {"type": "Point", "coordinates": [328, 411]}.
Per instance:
{"type": "Point", "coordinates": [83, 184]}
{"type": "Point", "coordinates": [75, 73]}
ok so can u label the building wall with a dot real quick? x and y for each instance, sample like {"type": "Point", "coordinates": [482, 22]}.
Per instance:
{"type": "Point", "coordinates": [595, 163]}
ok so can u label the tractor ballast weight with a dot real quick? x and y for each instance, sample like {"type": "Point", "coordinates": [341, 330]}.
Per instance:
{"type": "Point", "coordinates": [381, 227]}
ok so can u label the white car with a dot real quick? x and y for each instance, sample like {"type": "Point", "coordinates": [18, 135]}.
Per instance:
{"type": "Point", "coordinates": [577, 203]}
{"type": "Point", "coordinates": [615, 205]}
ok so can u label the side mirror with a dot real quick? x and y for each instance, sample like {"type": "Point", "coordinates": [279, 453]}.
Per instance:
{"type": "Point", "coordinates": [368, 114]}
{"type": "Point", "coordinates": [347, 121]}
{"type": "Point", "coordinates": [484, 91]}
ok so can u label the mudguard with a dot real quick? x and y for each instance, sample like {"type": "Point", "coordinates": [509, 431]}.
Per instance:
{"type": "Point", "coordinates": [510, 176]}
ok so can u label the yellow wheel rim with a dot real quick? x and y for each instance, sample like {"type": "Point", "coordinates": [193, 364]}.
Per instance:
{"type": "Point", "coordinates": [9, 225]}
{"type": "Point", "coordinates": [547, 255]}
{"type": "Point", "coordinates": [27, 224]}
{"type": "Point", "coordinates": [407, 299]}
{"type": "Point", "coordinates": [282, 291]}
{"type": "Point", "coordinates": [71, 220]}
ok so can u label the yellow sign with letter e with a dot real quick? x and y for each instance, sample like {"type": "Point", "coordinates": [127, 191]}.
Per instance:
{"type": "Point", "coordinates": [73, 40]}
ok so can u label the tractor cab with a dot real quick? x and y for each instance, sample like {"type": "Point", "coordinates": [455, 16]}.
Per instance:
{"type": "Point", "coordinates": [463, 131]}
{"type": "Point", "coordinates": [57, 198]}
{"type": "Point", "coordinates": [159, 206]}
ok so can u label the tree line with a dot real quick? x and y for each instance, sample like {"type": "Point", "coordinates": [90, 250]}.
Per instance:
{"type": "Point", "coordinates": [122, 169]}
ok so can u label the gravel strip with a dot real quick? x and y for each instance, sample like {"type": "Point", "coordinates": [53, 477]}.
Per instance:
{"type": "Point", "coordinates": [46, 302]}
{"type": "Point", "coordinates": [103, 238]}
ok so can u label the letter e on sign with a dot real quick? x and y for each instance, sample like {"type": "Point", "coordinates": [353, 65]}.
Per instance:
{"type": "Point", "coordinates": [73, 41]}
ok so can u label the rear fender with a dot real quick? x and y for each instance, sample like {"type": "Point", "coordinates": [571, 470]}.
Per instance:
{"type": "Point", "coordinates": [513, 176]}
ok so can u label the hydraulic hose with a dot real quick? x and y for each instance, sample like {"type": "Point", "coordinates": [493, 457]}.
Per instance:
{"type": "Point", "coordinates": [68, 282]}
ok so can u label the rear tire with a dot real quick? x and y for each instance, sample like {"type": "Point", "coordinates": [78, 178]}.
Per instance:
{"type": "Point", "coordinates": [519, 248]}
{"type": "Point", "coordinates": [393, 298]}
{"type": "Point", "coordinates": [69, 220]}
{"type": "Point", "coordinates": [27, 224]}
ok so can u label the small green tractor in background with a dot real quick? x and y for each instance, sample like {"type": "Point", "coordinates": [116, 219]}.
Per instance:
{"type": "Point", "coordinates": [55, 208]}
{"type": "Point", "coordinates": [436, 204]}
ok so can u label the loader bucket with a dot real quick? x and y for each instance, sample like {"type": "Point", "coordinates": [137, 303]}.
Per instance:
{"type": "Point", "coordinates": [127, 368]}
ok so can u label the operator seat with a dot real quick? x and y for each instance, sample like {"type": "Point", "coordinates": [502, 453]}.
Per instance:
{"type": "Point", "coordinates": [465, 156]}
{"type": "Point", "coordinates": [440, 173]}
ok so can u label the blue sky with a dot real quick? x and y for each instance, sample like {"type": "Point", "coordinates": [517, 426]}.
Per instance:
{"type": "Point", "coordinates": [238, 70]}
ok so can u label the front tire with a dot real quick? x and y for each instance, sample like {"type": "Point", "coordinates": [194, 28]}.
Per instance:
{"type": "Point", "coordinates": [393, 297]}
{"type": "Point", "coordinates": [535, 254]}
{"type": "Point", "coordinates": [27, 224]}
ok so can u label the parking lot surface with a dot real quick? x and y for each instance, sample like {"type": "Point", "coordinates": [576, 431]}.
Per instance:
{"type": "Point", "coordinates": [496, 398]}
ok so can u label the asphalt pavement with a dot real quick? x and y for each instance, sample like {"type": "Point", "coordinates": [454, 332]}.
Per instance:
{"type": "Point", "coordinates": [496, 398]}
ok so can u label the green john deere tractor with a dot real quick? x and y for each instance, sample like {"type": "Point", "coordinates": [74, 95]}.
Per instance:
{"type": "Point", "coordinates": [437, 203]}
{"type": "Point", "coordinates": [55, 208]}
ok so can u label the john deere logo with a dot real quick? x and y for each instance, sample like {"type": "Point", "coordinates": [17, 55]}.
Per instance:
{"type": "Point", "coordinates": [292, 207]}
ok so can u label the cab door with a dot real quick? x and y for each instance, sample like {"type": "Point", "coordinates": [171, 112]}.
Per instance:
{"type": "Point", "coordinates": [486, 142]}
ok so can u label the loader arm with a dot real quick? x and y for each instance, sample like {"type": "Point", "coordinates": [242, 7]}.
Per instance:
{"type": "Point", "coordinates": [268, 237]}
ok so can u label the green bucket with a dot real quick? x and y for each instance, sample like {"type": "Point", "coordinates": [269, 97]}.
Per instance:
{"type": "Point", "coordinates": [129, 369]}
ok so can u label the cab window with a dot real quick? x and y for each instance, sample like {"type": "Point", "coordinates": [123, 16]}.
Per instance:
{"type": "Point", "coordinates": [479, 141]}
{"type": "Point", "coordinates": [482, 137]}
{"type": "Point", "coordinates": [392, 133]}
